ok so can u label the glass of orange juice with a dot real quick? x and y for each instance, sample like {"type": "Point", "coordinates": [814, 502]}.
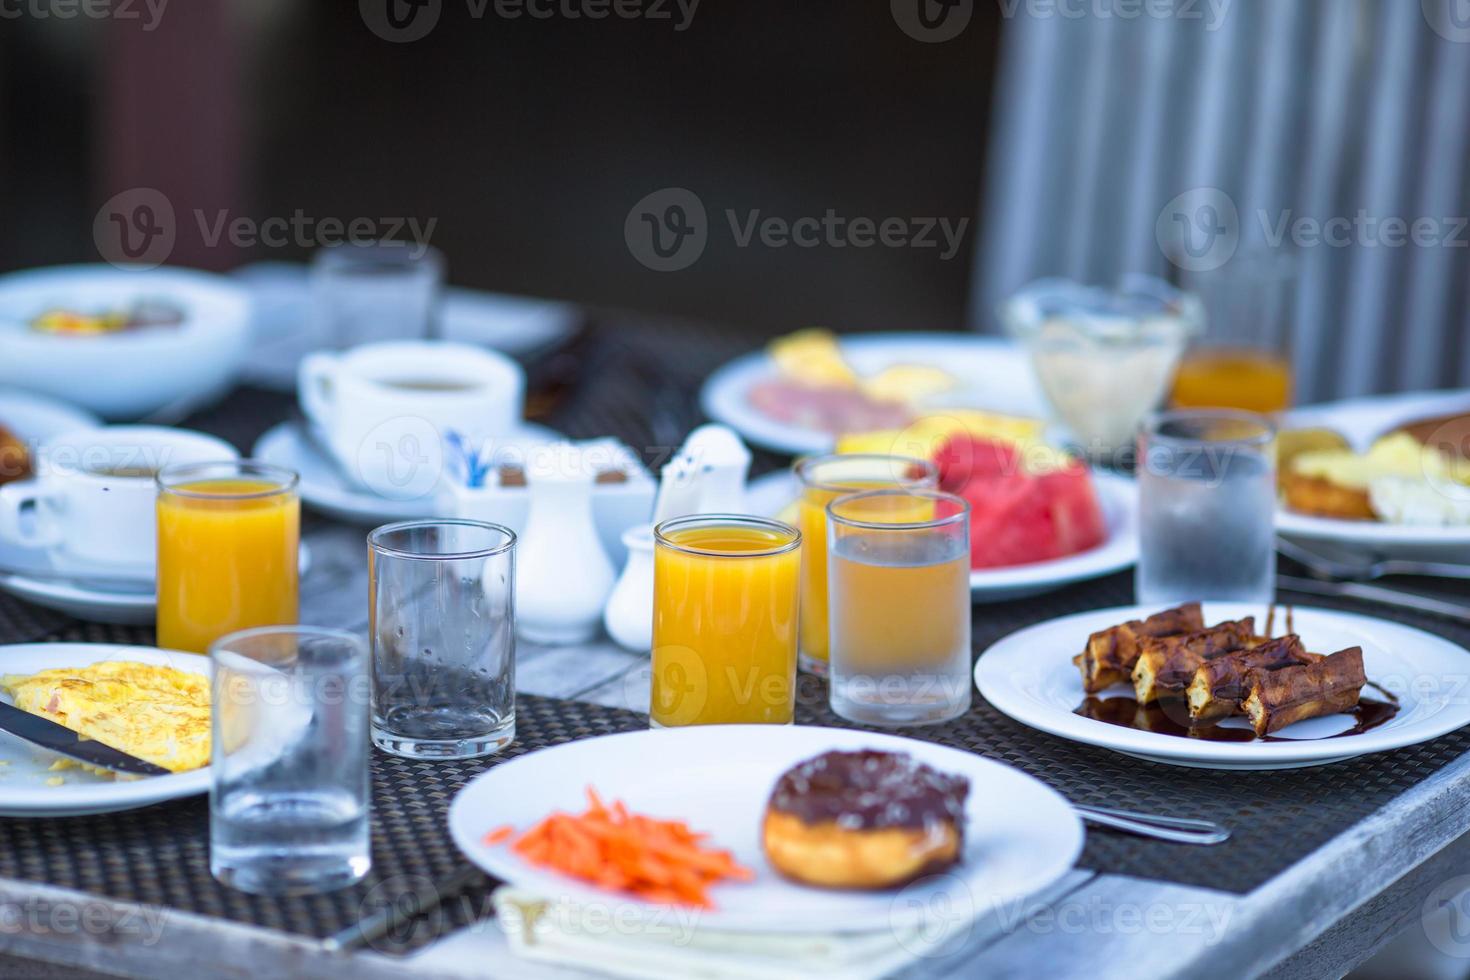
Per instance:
{"type": "Point", "coordinates": [1243, 360]}
{"type": "Point", "coordinates": [898, 566]}
{"type": "Point", "coordinates": [823, 479]}
{"type": "Point", "coordinates": [724, 621]}
{"type": "Point", "coordinates": [228, 537]}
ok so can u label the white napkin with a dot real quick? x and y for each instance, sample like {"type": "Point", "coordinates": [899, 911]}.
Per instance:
{"type": "Point", "coordinates": [672, 946]}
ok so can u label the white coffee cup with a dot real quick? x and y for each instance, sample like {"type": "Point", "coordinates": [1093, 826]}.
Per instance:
{"type": "Point", "coordinates": [386, 410]}
{"type": "Point", "coordinates": [94, 491]}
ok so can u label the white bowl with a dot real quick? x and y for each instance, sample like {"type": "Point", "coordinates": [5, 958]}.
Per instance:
{"type": "Point", "coordinates": [124, 375]}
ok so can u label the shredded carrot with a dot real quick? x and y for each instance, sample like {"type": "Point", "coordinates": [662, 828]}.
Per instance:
{"type": "Point", "coordinates": [611, 847]}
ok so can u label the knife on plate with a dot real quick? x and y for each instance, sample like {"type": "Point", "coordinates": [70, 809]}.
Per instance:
{"type": "Point", "coordinates": [63, 741]}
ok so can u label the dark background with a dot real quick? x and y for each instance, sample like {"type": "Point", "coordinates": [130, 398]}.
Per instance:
{"type": "Point", "coordinates": [529, 141]}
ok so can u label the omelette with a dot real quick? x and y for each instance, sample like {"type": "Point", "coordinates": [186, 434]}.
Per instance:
{"type": "Point", "coordinates": [159, 714]}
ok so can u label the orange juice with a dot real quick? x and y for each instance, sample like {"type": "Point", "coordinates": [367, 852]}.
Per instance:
{"type": "Point", "coordinates": [823, 480]}
{"type": "Point", "coordinates": [1227, 377]}
{"type": "Point", "coordinates": [724, 621]}
{"type": "Point", "coordinates": [227, 558]}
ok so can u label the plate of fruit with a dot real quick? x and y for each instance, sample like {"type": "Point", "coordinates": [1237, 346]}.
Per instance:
{"type": "Point", "coordinates": [1039, 518]}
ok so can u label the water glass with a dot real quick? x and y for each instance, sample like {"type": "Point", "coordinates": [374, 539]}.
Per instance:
{"type": "Point", "coordinates": [823, 479]}
{"type": "Point", "coordinates": [442, 619]}
{"type": "Point", "coordinates": [364, 292]}
{"type": "Point", "coordinates": [724, 621]}
{"type": "Point", "coordinates": [288, 799]}
{"type": "Point", "coordinates": [1207, 508]}
{"type": "Point", "coordinates": [898, 567]}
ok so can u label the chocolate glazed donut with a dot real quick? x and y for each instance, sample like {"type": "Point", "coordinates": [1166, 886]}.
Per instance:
{"type": "Point", "coordinates": [864, 820]}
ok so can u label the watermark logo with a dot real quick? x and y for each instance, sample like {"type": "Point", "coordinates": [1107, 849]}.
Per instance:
{"type": "Point", "coordinates": [136, 228]}
{"type": "Point", "coordinates": [932, 21]}
{"type": "Point", "coordinates": [1199, 230]}
{"type": "Point", "coordinates": [932, 913]}
{"type": "Point", "coordinates": [147, 12]}
{"type": "Point", "coordinates": [1450, 19]}
{"type": "Point", "coordinates": [680, 685]}
{"type": "Point", "coordinates": [1445, 916]}
{"type": "Point", "coordinates": [411, 907]}
{"type": "Point", "coordinates": [667, 231]}
{"type": "Point", "coordinates": [400, 21]}
{"type": "Point", "coordinates": [1211, 12]}
{"type": "Point", "coordinates": [401, 458]}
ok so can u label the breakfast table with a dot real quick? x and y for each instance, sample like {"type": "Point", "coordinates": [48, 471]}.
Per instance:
{"type": "Point", "coordinates": [1326, 864]}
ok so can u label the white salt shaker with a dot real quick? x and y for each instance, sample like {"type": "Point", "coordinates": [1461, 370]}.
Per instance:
{"type": "Point", "coordinates": [563, 575]}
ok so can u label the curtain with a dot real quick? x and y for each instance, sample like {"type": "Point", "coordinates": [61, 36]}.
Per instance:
{"type": "Point", "coordinates": [1337, 130]}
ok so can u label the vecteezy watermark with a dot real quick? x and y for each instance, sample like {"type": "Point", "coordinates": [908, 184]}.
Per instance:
{"type": "Point", "coordinates": [404, 21]}
{"type": "Point", "coordinates": [1210, 12]}
{"type": "Point", "coordinates": [668, 230]}
{"type": "Point", "coordinates": [147, 12]}
{"type": "Point", "coordinates": [1445, 917]}
{"type": "Point", "coordinates": [1200, 229]}
{"type": "Point", "coordinates": [37, 916]}
{"type": "Point", "coordinates": [932, 21]}
{"type": "Point", "coordinates": [1450, 19]}
{"type": "Point", "coordinates": [138, 228]}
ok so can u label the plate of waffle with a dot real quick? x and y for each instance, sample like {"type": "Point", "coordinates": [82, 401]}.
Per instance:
{"type": "Point", "coordinates": [1230, 685]}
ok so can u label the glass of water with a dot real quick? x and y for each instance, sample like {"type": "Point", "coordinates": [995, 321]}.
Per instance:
{"type": "Point", "coordinates": [363, 292]}
{"type": "Point", "coordinates": [1207, 507]}
{"type": "Point", "coordinates": [898, 578]}
{"type": "Point", "coordinates": [441, 612]}
{"type": "Point", "coordinates": [288, 800]}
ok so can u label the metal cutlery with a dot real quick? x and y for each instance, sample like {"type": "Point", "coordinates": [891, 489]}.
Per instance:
{"type": "Point", "coordinates": [1376, 593]}
{"type": "Point", "coordinates": [1178, 830]}
{"type": "Point", "coordinates": [57, 738]}
{"type": "Point", "coordinates": [1330, 569]}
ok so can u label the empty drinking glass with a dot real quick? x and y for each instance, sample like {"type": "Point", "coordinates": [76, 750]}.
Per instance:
{"type": "Point", "coordinates": [370, 291]}
{"type": "Point", "coordinates": [442, 619]}
{"type": "Point", "coordinates": [898, 575]}
{"type": "Point", "coordinates": [1207, 507]}
{"type": "Point", "coordinates": [288, 798]}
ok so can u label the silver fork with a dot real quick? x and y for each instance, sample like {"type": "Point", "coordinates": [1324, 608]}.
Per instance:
{"type": "Point", "coordinates": [1365, 570]}
{"type": "Point", "coordinates": [1179, 830]}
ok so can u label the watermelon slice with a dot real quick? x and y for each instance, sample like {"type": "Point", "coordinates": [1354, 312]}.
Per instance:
{"type": "Point", "coordinates": [1016, 517]}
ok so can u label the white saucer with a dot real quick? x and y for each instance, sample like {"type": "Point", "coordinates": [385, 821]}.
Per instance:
{"type": "Point", "coordinates": [1118, 497]}
{"type": "Point", "coordinates": [1030, 676]}
{"type": "Point", "coordinates": [96, 605]}
{"type": "Point", "coordinates": [325, 488]}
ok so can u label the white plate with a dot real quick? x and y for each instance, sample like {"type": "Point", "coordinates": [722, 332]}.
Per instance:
{"type": "Point", "coordinates": [323, 486]}
{"type": "Point", "coordinates": [80, 601]}
{"type": "Point", "coordinates": [995, 375]}
{"type": "Point", "coordinates": [1021, 834]}
{"type": "Point", "coordinates": [126, 375]}
{"type": "Point", "coordinates": [1361, 421]}
{"type": "Point", "coordinates": [280, 295]}
{"type": "Point", "coordinates": [1030, 676]}
{"type": "Point", "coordinates": [23, 789]}
{"type": "Point", "coordinates": [1118, 497]}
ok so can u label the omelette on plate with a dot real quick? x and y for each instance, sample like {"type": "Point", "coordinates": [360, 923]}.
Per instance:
{"type": "Point", "coordinates": [159, 714]}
